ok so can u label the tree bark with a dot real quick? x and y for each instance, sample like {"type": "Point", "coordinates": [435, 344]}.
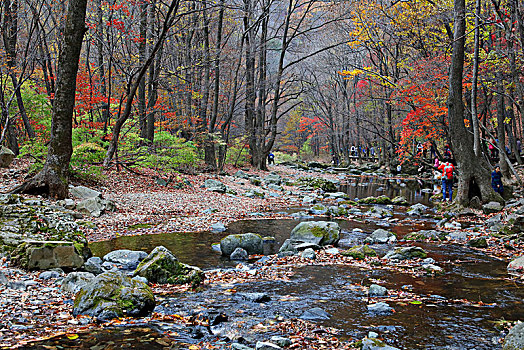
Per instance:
{"type": "Point", "coordinates": [53, 178]}
{"type": "Point", "coordinates": [474, 78]}
{"type": "Point", "coordinates": [473, 172]}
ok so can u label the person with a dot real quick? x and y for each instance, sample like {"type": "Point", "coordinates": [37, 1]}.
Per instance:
{"type": "Point", "coordinates": [491, 150]}
{"type": "Point", "coordinates": [419, 149]}
{"type": "Point", "coordinates": [433, 151]}
{"type": "Point", "coordinates": [447, 152]}
{"type": "Point", "coordinates": [334, 159]}
{"type": "Point", "coordinates": [496, 180]}
{"type": "Point", "coordinates": [447, 169]}
{"type": "Point", "coordinates": [519, 146]}
{"type": "Point", "coordinates": [270, 159]}
{"type": "Point", "coordinates": [353, 150]}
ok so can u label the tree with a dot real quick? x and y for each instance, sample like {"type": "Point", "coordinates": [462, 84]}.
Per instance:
{"type": "Point", "coordinates": [473, 171]}
{"type": "Point", "coordinates": [53, 178]}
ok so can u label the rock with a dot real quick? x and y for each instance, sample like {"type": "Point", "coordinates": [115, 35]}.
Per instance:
{"type": "Point", "coordinates": [399, 200]}
{"type": "Point", "coordinates": [241, 174]}
{"type": "Point", "coordinates": [475, 203]}
{"type": "Point", "coordinates": [95, 206]}
{"type": "Point", "coordinates": [376, 200]}
{"type": "Point", "coordinates": [517, 265]}
{"type": "Point", "coordinates": [6, 157]}
{"type": "Point", "coordinates": [45, 255]}
{"type": "Point", "coordinates": [454, 225]}
{"type": "Point", "coordinates": [125, 259]}
{"type": "Point", "coordinates": [76, 280]}
{"type": "Point", "coordinates": [380, 309]}
{"type": "Point", "coordinates": [478, 242]}
{"type": "Point", "coordinates": [281, 341]}
{"type": "Point", "coordinates": [337, 211]}
{"type": "Point", "coordinates": [318, 232]}
{"type": "Point", "coordinates": [404, 253]}
{"type": "Point", "coordinates": [254, 193]}
{"type": "Point", "coordinates": [315, 314]}
{"type": "Point", "coordinates": [377, 291]}
{"type": "Point", "coordinates": [458, 235]}
{"type": "Point", "coordinates": [318, 209]}
{"type": "Point", "coordinates": [294, 246]}
{"type": "Point", "coordinates": [375, 344]}
{"type": "Point", "coordinates": [3, 278]}
{"type": "Point", "coordinates": [238, 346]}
{"type": "Point", "coordinates": [218, 227]}
{"type": "Point", "coordinates": [111, 295]}
{"type": "Point", "coordinates": [47, 275]}
{"type": "Point", "coordinates": [417, 209]}
{"type": "Point", "coordinates": [275, 188]}
{"type": "Point", "coordinates": [381, 236]}
{"type": "Point", "coordinates": [360, 252]}
{"type": "Point", "coordinates": [308, 200]}
{"type": "Point", "coordinates": [94, 265]}
{"type": "Point", "coordinates": [239, 254]}
{"type": "Point", "coordinates": [379, 212]}
{"type": "Point", "coordinates": [140, 279]}
{"type": "Point", "coordinates": [492, 207]}
{"type": "Point", "coordinates": [423, 235]}
{"type": "Point", "coordinates": [161, 266]}
{"type": "Point", "coordinates": [431, 268]}
{"type": "Point", "coordinates": [308, 254]}
{"type": "Point", "coordinates": [515, 338]}
{"type": "Point", "coordinates": [83, 192]}
{"type": "Point", "coordinates": [255, 297]}
{"type": "Point", "coordinates": [255, 180]}
{"type": "Point", "coordinates": [250, 242]}
{"type": "Point", "coordinates": [67, 203]}
{"type": "Point", "coordinates": [266, 346]}
{"type": "Point", "coordinates": [333, 251]}
{"type": "Point", "coordinates": [273, 179]}
{"type": "Point", "coordinates": [215, 186]}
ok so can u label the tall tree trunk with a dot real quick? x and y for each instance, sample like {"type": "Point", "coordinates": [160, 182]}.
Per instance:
{"type": "Point", "coordinates": [501, 132]}
{"type": "Point", "coordinates": [473, 172]}
{"type": "Point", "coordinates": [142, 47]}
{"type": "Point", "coordinates": [474, 78]}
{"type": "Point", "coordinates": [53, 178]}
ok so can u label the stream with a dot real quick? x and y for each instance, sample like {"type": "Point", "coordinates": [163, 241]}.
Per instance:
{"type": "Point", "coordinates": [437, 323]}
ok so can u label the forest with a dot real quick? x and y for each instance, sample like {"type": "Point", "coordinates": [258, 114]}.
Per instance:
{"type": "Point", "coordinates": [261, 174]}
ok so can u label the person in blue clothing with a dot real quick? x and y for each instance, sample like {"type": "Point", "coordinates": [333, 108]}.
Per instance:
{"type": "Point", "coordinates": [496, 180]}
{"type": "Point", "coordinates": [270, 159]}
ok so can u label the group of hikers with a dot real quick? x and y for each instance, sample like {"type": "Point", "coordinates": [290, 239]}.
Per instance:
{"type": "Point", "coordinates": [444, 171]}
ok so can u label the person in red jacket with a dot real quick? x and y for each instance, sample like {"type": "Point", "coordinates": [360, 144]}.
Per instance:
{"type": "Point", "coordinates": [447, 179]}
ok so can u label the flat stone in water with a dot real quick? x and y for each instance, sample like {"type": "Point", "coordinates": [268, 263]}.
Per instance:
{"type": "Point", "coordinates": [380, 309]}
{"type": "Point", "coordinates": [315, 314]}
{"type": "Point", "coordinates": [255, 297]}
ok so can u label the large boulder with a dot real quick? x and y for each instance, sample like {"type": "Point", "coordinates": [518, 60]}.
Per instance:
{"type": "Point", "coordinates": [82, 192]}
{"type": "Point", "coordinates": [360, 252]}
{"type": "Point", "coordinates": [515, 338]}
{"type": "Point", "coordinates": [492, 207]}
{"type": "Point", "coordinates": [517, 265]}
{"type": "Point", "coordinates": [6, 157]}
{"type": "Point", "coordinates": [376, 200]}
{"type": "Point", "coordinates": [381, 236]}
{"type": "Point", "coordinates": [250, 242]}
{"type": "Point", "coordinates": [404, 253]}
{"type": "Point", "coordinates": [74, 281]}
{"type": "Point", "coordinates": [125, 259]}
{"type": "Point", "coordinates": [111, 295]}
{"type": "Point", "coordinates": [273, 178]}
{"type": "Point", "coordinates": [161, 266]}
{"type": "Point", "coordinates": [215, 186]}
{"type": "Point", "coordinates": [95, 206]}
{"type": "Point", "coordinates": [45, 255]}
{"type": "Point", "coordinates": [317, 232]}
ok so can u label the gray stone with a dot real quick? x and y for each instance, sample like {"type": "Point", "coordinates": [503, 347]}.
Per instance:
{"type": "Point", "coordinates": [380, 309]}
{"type": "Point", "coordinates": [381, 236]}
{"type": "Point", "coordinates": [17, 285]}
{"type": "Point", "coordinates": [492, 207]}
{"type": "Point", "coordinates": [45, 255]}
{"type": "Point", "coordinates": [255, 297]}
{"type": "Point", "coordinates": [83, 192]}
{"type": "Point", "coordinates": [275, 187]}
{"type": "Point", "coordinates": [250, 242]}
{"type": "Point", "coordinates": [517, 265]}
{"type": "Point", "coordinates": [140, 279]}
{"type": "Point", "coordinates": [241, 174]}
{"type": "Point", "coordinates": [94, 265]}
{"type": "Point", "coordinates": [404, 253]}
{"type": "Point", "coordinates": [479, 242]}
{"type": "Point", "coordinates": [318, 232]}
{"type": "Point", "coordinates": [273, 179]}
{"type": "Point", "coordinates": [308, 254]}
{"type": "Point", "coordinates": [238, 346]}
{"type": "Point", "coordinates": [47, 275]}
{"type": "Point", "coordinates": [399, 201]}
{"type": "Point", "coordinates": [125, 259]}
{"type": "Point", "coordinates": [318, 209]}
{"type": "Point", "coordinates": [76, 280]}
{"type": "Point", "coordinates": [377, 291]}
{"type": "Point", "coordinates": [161, 266]}
{"type": "Point", "coordinates": [375, 344]}
{"type": "Point", "coordinates": [308, 200]}
{"type": "Point", "coordinates": [515, 338]}
{"type": "Point", "coordinates": [458, 235]}
{"type": "Point", "coordinates": [67, 203]}
{"type": "Point", "coordinates": [111, 295]}
{"type": "Point", "coordinates": [218, 227]}
{"type": "Point", "coordinates": [266, 346]}
{"type": "Point", "coordinates": [379, 212]}
{"type": "Point", "coordinates": [3, 278]}
{"type": "Point", "coordinates": [239, 254]}
{"type": "Point", "coordinates": [315, 314]}
{"type": "Point", "coordinates": [281, 341]}
{"type": "Point", "coordinates": [215, 186]}
{"type": "Point", "coordinates": [95, 206]}
{"type": "Point", "coordinates": [417, 209]}
{"type": "Point", "coordinates": [6, 157]}
{"type": "Point", "coordinates": [333, 251]}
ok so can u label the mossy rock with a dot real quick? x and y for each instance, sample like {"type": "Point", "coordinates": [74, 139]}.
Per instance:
{"type": "Point", "coordinates": [384, 200]}
{"type": "Point", "coordinates": [431, 235]}
{"type": "Point", "coordinates": [252, 243]}
{"type": "Point", "coordinates": [111, 295]}
{"type": "Point", "coordinates": [318, 183]}
{"type": "Point", "coordinates": [161, 266]}
{"type": "Point", "coordinates": [349, 203]}
{"type": "Point", "coordinates": [360, 252]}
{"type": "Point", "coordinates": [317, 232]}
{"type": "Point", "coordinates": [478, 242]}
